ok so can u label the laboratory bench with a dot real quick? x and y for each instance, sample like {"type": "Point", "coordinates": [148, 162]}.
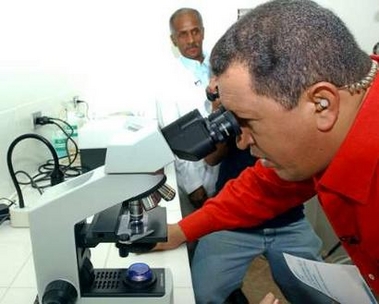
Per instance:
{"type": "Point", "coordinates": [17, 279]}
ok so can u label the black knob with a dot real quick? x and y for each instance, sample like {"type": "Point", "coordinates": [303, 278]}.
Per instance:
{"type": "Point", "coordinates": [59, 292]}
{"type": "Point", "coordinates": [123, 250]}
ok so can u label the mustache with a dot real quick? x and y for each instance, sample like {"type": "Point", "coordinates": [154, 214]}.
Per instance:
{"type": "Point", "coordinates": [192, 45]}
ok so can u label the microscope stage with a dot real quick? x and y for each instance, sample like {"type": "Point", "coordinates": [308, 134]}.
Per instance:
{"type": "Point", "coordinates": [104, 225]}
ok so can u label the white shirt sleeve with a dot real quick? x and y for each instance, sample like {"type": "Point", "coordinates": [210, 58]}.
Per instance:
{"type": "Point", "coordinates": [190, 174]}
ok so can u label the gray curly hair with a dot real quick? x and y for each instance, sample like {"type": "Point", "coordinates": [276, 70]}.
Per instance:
{"type": "Point", "coordinates": [288, 45]}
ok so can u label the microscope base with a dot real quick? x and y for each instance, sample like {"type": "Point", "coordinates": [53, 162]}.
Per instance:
{"type": "Point", "coordinates": [166, 298]}
{"type": "Point", "coordinates": [111, 283]}
{"type": "Point", "coordinates": [162, 294]}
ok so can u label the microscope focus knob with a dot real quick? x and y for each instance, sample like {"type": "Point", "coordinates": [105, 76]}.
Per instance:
{"type": "Point", "coordinates": [59, 292]}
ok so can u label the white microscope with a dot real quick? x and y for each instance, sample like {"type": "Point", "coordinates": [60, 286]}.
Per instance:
{"type": "Point", "coordinates": [113, 203]}
{"type": "Point", "coordinates": [116, 204]}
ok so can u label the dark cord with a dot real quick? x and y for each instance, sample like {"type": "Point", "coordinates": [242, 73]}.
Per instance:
{"type": "Point", "coordinates": [56, 175]}
{"type": "Point", "coordinates": [68, 138]}
{"type": "Point", "coordinates": [45, 176]}
{"type": "Point", "coordinates": [32, 180]}
{"type": "Point", "coordinates": [50, 120]}
{"type": "Point", "coordinates": [5, 217]}
{"type": "Point", "coordinates": [8, 200]}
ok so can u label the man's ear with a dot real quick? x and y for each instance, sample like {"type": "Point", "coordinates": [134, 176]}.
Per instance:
{"type": "Point", "coordinates": [173, 40]}
{"type": "Point", "coordinates": [326, 103]}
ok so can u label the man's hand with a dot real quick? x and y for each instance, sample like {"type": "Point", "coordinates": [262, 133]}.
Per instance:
{"type": "Point", "coordinates": [269, 299]}
{"type": "Point", "coordinates": [198, 197]}
{"type": "Point", "coordinates": [175, 237]}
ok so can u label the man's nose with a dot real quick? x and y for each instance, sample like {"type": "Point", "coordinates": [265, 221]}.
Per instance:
{"type": "Point", "coordinates": [190, 38]}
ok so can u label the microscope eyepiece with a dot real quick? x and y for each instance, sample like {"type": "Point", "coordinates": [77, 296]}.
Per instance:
{"type": "Point", "coordinates": [222, 125]}
{"type": "Point", "coordinates": [192, 137]}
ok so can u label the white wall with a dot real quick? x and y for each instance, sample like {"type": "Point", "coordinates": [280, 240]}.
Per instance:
{"type": "Point", "coordinates": [106, 52]}
{"type": "Point", "coordinates": [109, 47]}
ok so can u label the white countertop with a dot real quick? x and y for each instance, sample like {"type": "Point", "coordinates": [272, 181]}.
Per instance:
{"type": "Point", "coordinates": [17, 279]}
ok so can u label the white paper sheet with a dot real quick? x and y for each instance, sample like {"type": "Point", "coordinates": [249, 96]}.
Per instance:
{"type": "Point", "coordinates": [343, 283]}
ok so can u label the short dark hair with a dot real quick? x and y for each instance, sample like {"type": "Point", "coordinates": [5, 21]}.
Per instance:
{"type": "Point", "coordinates": [288, 45]}
{"type": "Point", "coordinates": [181, 11]}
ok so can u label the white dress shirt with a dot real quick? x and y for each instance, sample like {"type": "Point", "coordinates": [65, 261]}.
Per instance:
{"type": "Point", "coordinates": [182, 91]}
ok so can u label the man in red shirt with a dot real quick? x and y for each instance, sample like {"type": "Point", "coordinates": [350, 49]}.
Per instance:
{"type": "Point", "coordinates": [307, 100]}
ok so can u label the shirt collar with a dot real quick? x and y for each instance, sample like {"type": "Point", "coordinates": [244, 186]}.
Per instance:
{"type": "Point", "coordinates": [191, 63]}
{"type": "Point", "coordinates": [352, 169]}
{"type": "Point", "coordinates": [199, 70]}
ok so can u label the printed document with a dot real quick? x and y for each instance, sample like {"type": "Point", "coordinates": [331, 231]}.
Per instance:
{"type": "Point", "coordinates": [341, 282]}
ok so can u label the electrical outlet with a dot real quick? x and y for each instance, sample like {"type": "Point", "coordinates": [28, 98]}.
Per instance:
{"type": "Point", "coordinates": [35, 115]}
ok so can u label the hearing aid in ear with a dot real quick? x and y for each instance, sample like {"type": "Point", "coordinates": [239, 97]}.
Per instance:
{"type": "Point", "coordinates": [322, 105]}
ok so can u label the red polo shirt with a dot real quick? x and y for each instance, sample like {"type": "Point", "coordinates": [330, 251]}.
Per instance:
{"type": "Point", "coordinates": [348, 191]}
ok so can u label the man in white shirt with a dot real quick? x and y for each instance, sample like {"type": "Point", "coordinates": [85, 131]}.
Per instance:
{"type": "Point", "coordinates": [183, 90]}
